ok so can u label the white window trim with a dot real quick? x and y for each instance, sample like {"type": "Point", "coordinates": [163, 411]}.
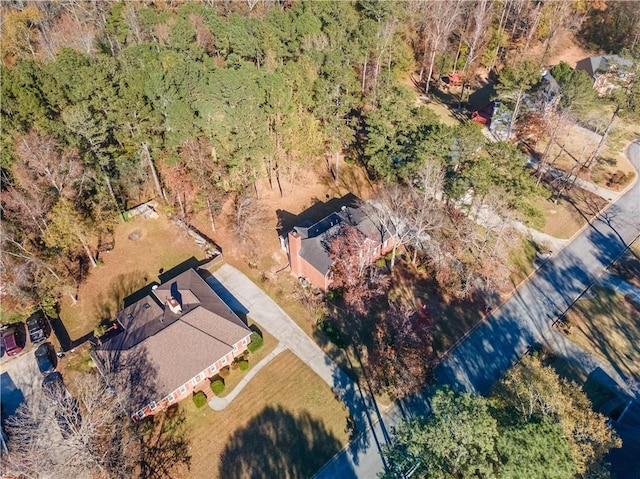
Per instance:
{"type": "Point", "coordinates": [183, 389]}
{"type": "Point", "coordinates": [244, 340]}
{"type": "Point", "coordinates": [171, 397]}
{"type": "Point", "coordinates": [224, 360]}
{"type": "Point", "coordinates": [153, 405]}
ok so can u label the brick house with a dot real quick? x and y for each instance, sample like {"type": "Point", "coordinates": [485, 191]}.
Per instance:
{"type": "Point", "coordinates": [307, 245]}
{"type": "Point", "coordinates": [170, 342]}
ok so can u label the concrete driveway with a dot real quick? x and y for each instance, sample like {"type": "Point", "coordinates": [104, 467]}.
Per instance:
{"type": "Point", "coordinates": [20, 379]}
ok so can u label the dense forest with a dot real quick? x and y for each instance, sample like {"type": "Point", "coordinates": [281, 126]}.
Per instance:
{"type": "Point", "coordinates": [106, 104]}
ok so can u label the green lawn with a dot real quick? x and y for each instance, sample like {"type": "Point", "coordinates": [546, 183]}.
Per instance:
{"type": "Point", "coordinates": [285, 423]}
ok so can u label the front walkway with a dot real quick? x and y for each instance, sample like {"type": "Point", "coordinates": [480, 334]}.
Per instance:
{"type": "Point", "coordinates": [219, 403]}
{"type": "Point", "coordinates": [241, 293]}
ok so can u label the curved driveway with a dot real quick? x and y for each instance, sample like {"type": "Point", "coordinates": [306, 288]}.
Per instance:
{"type": "Point", "coordinates": [526, 317]}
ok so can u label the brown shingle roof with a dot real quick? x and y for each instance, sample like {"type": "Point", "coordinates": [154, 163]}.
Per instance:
{"type": "Point", "coordinates": [172, 348]}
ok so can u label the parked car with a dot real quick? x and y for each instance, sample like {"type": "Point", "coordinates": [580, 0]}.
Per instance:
{"type": "Point", "coordinates": [67, 411]}
{"type": "Point", "coordinates": [12, 340]}
{"type": "Point", "coordinates": [46, 358]}
{"type": "Point", "coordinates": [38, 327]}
{"type": "Point", "coordinates": [53, 386]}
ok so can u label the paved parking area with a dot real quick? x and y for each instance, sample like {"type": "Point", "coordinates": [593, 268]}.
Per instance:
{"type": "Point", "coordinates": [20, 379]}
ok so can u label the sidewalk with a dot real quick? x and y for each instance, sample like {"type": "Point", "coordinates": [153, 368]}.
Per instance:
{"type": "Point", "coordinates": [219, 403]}
{"type": "Point", "coordinates": [621, 286]}
{"type": "Point", "coordinates": [234, 287]}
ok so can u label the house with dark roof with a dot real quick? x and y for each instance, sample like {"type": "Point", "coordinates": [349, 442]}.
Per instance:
{"type": "Point", "coordinates": [169, 342]}
{"type": "Point", "coordinates": [307, 244]}
{"type": "Point", "coordinates": [608, 72]}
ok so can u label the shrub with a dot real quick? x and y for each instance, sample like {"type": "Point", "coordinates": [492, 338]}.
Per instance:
{"type": "Point", "coordinates": [244, 365]}
{"type": "Point", "coordinates": [224, 372]}
{"type": "Point", "coordinates": [381, 263]}
{"type": "Point", "coordinates": [330, 330]}
{"type": "Point", "coordinates": [217, 386]}
{"type": "Point", "coordinates": [234, 366]}
{"type": "Point", "coordinates": [199, 399]}
{"type": "Point", "coordinates": [256, 342]}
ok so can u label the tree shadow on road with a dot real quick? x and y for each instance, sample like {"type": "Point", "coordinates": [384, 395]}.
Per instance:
{"type": "Point", "coordinates": [277, 443]}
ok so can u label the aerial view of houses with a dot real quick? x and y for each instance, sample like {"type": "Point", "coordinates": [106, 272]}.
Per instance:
{"type": "Point", "coordinates": [320, 239]}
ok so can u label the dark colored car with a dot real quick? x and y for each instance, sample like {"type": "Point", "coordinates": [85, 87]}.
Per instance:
{"type": "Point", "coordinates": [68, 416]}
{"type": "Point", "coordinates": [46, 358]}
{"type": "Point", "coordinates": [38, 327]}
{"type": "Point", "coordinates": [53, 386]}
{"type": "Point", "coordinates": [11, 341]}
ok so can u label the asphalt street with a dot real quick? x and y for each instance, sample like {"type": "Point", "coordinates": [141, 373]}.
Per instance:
{"type": "Point", "coordinates": [523, 320]}
{"type": "Point", "coordinates": [526, 317]}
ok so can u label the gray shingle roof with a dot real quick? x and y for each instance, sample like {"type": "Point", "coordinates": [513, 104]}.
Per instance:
{"type": "Point", "coordinates": [602, 63]}
{"type": "Point", "coordinates": [315, 238]}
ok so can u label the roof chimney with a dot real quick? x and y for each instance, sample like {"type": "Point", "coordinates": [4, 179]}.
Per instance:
{"type": "Point", "coordinates": [174, 305]}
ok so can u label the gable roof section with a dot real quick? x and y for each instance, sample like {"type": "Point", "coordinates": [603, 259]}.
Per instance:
{"type": "Point", "coordinates": [177, 346]}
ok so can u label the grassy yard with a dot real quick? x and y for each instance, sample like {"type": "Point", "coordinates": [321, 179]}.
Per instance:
{"type": "Point", "coordinates": [607, 326]}
{"type": "Point", "coordinates": [236, 375]}
{"type": "Point", "coordinates": [132, 264]}
{"type": "Point", "coordinates": [522, 261]}
{"type": "Point", "coordinates": [285, 423]}
{"type": "Point", "coordinates": [562, 220]}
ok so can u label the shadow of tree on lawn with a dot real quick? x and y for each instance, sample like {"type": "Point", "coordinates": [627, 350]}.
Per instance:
{"type": "Point", "coordinates": [122, 287]}
{"type": "Point", "coordinates": [277, 443]}
{"type": "Point", "coordinates": [164, 445]}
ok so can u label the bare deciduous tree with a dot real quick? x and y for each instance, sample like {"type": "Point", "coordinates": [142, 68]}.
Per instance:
{"type": "Point", "coordinates": [43, 163]}
{"type": "Point", "coordinates": [245, 216]}
{"type": "Point", "coordinates": [57, 435]}
{"type": "Point", "coordinates": [439, 19]}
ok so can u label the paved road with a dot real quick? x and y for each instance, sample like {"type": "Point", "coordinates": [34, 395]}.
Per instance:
{"type": "Point", "coordinates": [524, 319]}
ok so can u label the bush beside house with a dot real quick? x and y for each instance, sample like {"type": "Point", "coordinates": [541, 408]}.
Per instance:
{"type": "Point", "coordinates": [199, 399]}
{"type": "Point", "coordinates": [217, 386]}
{"type": "Point", "coordinates": [256, 342]}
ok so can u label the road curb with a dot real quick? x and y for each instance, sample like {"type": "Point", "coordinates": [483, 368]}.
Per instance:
{"type": "Point", "coordinates": [535, 271]}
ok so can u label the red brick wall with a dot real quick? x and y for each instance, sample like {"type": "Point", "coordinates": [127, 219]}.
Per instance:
{"type": "Point", "coordinates": [301, 269]}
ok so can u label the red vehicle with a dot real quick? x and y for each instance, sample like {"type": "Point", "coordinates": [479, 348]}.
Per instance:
{"type": "Point", "coordinates": [11, 341]}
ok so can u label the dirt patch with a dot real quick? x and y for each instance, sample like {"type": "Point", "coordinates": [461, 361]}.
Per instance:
{"type": "Point", "coordinates": [565, 50]}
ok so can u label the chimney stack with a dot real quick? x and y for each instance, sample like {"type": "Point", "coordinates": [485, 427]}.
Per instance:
{"type": "Point", "coordinates": [174, 305]}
